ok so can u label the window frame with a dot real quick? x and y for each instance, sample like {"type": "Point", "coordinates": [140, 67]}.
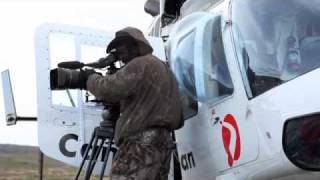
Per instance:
{"type": "Point", "coordinates": [198, 23]}
{"type": "Point", "coordinates": [201, 36]}
{"type": "Point", "coordinates": [241, 65]}
{"type": "Point", "coordinates": [190, 32]}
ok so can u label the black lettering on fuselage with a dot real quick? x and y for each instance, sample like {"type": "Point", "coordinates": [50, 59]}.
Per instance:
{"type": "Point", "coordinates": [184, 162]}
{"type": "Point", "coordinates": [104, 150]}
{"type": "Point", "coordinates": [187, 161]}
{"type": "Point", "coordinates": [63, 142]}
{"type": "Point", "coordinates": [71, 154]}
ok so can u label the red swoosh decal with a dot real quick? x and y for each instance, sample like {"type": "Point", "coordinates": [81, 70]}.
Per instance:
{"type": "Point", "coordinates": [226, 137]}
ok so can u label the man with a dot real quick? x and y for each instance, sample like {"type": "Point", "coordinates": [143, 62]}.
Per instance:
{"type": "Point", "coordinates": [150, 108]}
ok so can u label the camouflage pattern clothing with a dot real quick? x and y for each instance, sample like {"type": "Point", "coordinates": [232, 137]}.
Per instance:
{"type": "Point", "coordinates": [149, 98]}
{"type": "Point", "coordinates": [145, 156]}
{"type": "Point", "coordinates": [146, 88]}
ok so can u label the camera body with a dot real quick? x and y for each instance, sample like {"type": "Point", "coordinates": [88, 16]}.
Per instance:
{"type": "Point", "coordinates": [68, 74]}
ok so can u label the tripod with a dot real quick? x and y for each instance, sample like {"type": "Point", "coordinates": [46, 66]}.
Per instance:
{"type": "Point", "coordinates": [101, 135]}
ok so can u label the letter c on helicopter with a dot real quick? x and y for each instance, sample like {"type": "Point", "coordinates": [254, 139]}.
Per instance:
{"type": "Point", "coordinates": [71, 154]}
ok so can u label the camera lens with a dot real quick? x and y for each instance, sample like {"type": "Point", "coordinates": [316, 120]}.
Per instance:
{"type": "Point", "coordinates": [61, 79]}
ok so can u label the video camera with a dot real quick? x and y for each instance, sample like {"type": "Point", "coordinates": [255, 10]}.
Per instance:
{"type": "Point", "coordinates": [67, 75]}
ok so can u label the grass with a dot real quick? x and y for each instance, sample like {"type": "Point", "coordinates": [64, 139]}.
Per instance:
{"type": "Point", "coordinates": [21, 163]}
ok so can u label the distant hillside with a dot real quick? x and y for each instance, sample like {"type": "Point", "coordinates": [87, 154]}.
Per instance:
{"type": "Point", "coordinates": [8, 148]}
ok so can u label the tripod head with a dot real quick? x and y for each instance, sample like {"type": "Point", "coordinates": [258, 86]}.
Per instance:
{"type": "Point", "coordinates": [110, 115]}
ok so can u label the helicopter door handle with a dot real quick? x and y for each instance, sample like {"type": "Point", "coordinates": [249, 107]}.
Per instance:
{"type": "Point", "coordinates": [61, 122]}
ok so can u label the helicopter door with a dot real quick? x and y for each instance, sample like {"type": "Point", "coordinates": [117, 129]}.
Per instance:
{"type": "Point", "coordinates": [217, 134]}
{"type": "Point", "coordinates": [65, 119]}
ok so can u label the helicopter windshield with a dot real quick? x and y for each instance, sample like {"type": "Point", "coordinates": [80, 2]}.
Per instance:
{"type": "Point", "coordinates": [276, 41]}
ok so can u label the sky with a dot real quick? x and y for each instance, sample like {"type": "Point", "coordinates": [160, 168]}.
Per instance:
{"type": "Point", "coordinates": [20, 18]}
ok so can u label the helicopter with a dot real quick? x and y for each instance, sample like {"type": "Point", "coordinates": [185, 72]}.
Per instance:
{"type": "Point", "coordinates": [247, 73]}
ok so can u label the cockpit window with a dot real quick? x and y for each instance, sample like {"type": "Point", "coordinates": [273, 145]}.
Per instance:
{"type": "Point", "coordinates": [214, 81]}
{"type": "Point", "coordinates": [276, 41]}
{"type": "Point", "coordinates": [184, 64]}
{"type": "Point", "coordinates": [199, 63]}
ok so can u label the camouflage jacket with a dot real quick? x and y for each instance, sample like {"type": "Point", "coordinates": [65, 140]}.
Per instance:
{"type": "Point", "coordinates": [147, 90]}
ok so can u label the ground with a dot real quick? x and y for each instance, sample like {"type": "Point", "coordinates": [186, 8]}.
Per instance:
{"type": "Point", "coordinates": [21, 163]}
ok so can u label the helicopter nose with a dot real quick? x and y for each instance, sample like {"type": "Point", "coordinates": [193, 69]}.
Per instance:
{"type": "Point", "coordinates": [301, 141]}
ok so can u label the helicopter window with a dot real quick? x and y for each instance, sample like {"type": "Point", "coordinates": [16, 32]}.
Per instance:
{"type": "Point", "coordinates": [183, 58]}
{"type": "Point", "coordinates": [171, 11]}
{"type": "Point", "coordinates": [184, 64]}
{"type": "Point", "coordinates": [213, 76]}
{"type": "Point", "coordinates": [276, 41]}
{"type": "Point", "coordinates": [200, 64]}
{"type": "Point", "coordinates": [62, 48]}
{"type": "Point", "coordinates": [172, 7]}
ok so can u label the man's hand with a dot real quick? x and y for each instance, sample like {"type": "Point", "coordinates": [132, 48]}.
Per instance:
{"type": "Point", "coordinates": [84, 75]}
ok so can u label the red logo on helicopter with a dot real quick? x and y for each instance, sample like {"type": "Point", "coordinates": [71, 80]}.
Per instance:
{"type": "Point", "coordinates": [233, 154]}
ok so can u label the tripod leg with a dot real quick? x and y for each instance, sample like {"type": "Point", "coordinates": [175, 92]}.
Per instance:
{"type": "Point", "coordinates": [93, 152]}
{"type": "Point", "coordinates": [85, 155]}
{"type": "Point", "coordinates": [91, 168]}
{"type": "Point", "coordinates": [105, 160]}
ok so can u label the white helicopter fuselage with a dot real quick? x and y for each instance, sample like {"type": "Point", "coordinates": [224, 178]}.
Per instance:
{"type": "Point", "coordinates": [235, 127]}
{"type": "Point", "coordinates": [240, 135]}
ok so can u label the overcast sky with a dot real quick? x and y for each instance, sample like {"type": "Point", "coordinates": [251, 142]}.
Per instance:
{"type": "Point", "coordinates": [20, 18]}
